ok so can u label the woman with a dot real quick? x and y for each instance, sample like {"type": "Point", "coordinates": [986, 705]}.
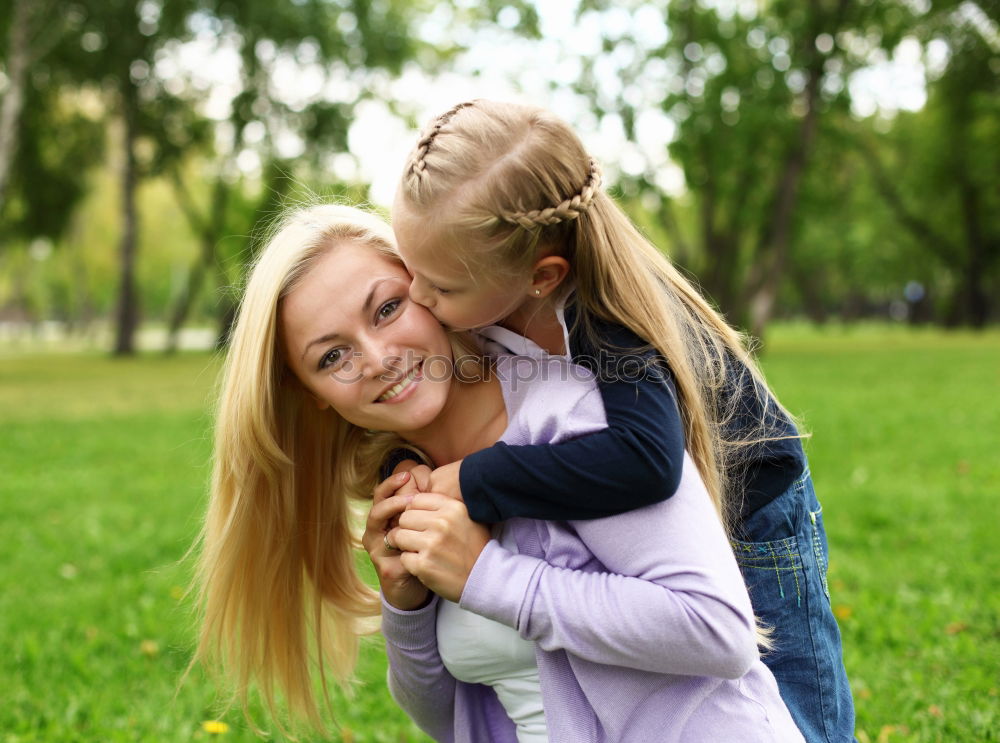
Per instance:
{"type": "Point", "coordinates": [634, 627]}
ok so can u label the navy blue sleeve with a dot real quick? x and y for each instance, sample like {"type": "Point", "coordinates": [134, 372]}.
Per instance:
{"type": "Point", "coordinates": [636, 461]}
{"type": "Point", "coordinates": [395, 458]}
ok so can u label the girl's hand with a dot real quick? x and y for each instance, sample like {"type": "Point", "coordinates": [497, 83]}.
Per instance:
{"type": "Point", "coordinates": [444, 480]}
{"type": "Point", "coordinates": [399, 587]}
{"type": "Point", "coordinates": [441, 543]}
{"type": "Point", "coordinates": [420, 477]}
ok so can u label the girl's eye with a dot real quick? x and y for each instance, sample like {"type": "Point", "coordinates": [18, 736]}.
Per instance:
{"type": "Point", "coordinates": [388, 309]}
{"type": "Point", "coordinates": [439, 290]}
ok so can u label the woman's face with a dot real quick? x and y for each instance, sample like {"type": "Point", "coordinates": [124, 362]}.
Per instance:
{"type": "Point", "coordinates": [360, 345]}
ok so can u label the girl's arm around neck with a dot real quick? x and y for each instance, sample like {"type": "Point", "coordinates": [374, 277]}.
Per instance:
{"type": "Point", "coordinates": [670, 598]}
{"type": "Point", "coordinates": [634, 462]}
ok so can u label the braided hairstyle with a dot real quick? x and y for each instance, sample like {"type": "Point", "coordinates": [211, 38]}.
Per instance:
{"type": "Point", "coordinates": [416, 167]}
{"type": "Point", "coordinates": [565, 210]}
{"type": "Point", "coordinates": [506, 184]}
{"type": "Point", "coordinates": [481, 158]}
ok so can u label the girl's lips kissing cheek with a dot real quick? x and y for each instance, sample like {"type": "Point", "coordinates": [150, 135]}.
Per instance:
{"type": "Point", "coordinates": [404, 388]}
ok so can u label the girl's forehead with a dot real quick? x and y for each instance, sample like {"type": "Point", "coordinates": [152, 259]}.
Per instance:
{"type": "Point", "coordinates": [432, 251]}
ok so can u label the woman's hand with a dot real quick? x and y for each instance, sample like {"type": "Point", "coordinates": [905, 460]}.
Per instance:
{"type": "Point", "coordinates": [419, 481]}
{"type": "Point", "coordinates": [399, 587]}
{"type": "Point", "coordinates": [441, 543]}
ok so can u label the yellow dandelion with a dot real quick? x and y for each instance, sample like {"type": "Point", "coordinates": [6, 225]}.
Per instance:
{"type": "Point", "coordinates": [176, 593]}
{"type": "Point", "coordinates": [842, 611]}
{"type": "Point", "coordinates": [149, 648]}
{"type": "Point", "coordinates": [215, 727]}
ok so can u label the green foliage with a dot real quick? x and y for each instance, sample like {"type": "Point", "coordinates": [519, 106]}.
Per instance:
{"type": "Point", "coordinates": [939, 170]}
{"type": "Point", "coordinates": [791, 199]}
{"type": "Point", "coordinates": [761, 100]}
{"type": "Point", "coordinates": [105, 466]}
{"type": "Point", "coordinates": [58, 146]}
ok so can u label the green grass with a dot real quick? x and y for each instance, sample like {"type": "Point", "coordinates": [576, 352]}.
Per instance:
{"type": "Point", "coordinates": [904, 452]}
{"type": "Point", "coordinates": [104, 467]}
{"type": "Point", "coordinates": [102, 471]}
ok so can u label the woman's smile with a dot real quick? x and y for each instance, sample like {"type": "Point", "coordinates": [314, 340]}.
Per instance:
{"type": "Point", "coordinates": [403, 389]}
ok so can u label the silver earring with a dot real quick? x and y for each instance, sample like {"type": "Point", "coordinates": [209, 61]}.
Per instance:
{"type": "Point", "coordinates": [538, 292]}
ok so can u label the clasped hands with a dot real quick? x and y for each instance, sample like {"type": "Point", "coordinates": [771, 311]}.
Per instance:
{"type": "Point", "coordinates": [420, 513]}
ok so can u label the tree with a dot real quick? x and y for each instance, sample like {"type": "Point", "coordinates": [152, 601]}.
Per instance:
{"type": "Point", "coordinates": [48, 140]}
{"type": "Point", "coordinates": [18, 59]}
{"type": "Point", "coordinates": [938, 169]}
{"type": "Point", "coordinates": [31, 32]}
{"type": "Point", "coordinates": [111, 52]}
{"type": "Point", "coordinates": [347, 46]}
{"type": "Point", "coordinates": [748, 93]}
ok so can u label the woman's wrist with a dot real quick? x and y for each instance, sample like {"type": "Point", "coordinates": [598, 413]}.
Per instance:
{"type": "Point", "coordinates": [409, 604]}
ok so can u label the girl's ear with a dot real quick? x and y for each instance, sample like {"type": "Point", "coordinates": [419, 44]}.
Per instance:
{"type": "Point", "coordinates": [547, 274]}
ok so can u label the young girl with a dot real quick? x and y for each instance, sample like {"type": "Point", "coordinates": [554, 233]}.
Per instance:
{"type": "Point", "coordinates": [499, 211]}
{"type": "Point", "coordinates": [328, 351]}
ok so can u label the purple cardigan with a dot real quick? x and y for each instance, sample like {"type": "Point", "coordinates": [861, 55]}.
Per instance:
{"type": "Point", "coordinates": [642, 625]}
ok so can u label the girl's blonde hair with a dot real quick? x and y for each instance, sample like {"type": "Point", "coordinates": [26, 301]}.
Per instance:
{"type": "Point", "coordinates": [509, 183]}
{"type": "Point", "coordinates": [280, 597]}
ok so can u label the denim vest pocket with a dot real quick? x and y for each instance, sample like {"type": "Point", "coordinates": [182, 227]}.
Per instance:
{"type": "Point", "coordinates": [772, 568]}
{"type": "Point", "coordinates": [819, 547]}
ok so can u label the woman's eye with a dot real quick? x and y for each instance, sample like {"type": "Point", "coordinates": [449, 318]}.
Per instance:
{"type": "Point", "coordinates": [388, 309]}
{"type": "Point", "coordinates": [330, 358]}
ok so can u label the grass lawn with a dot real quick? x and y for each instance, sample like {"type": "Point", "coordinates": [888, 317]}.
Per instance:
{"type": "Point", "coordinates": [104, 464]}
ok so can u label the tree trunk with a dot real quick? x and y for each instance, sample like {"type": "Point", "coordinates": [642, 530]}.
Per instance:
{"type": "Point", "coordinates": [13, 100]}
{"type": "Point", "coordinates": [209, 232]}
{"type": "Point", "coordinates": [227, 320]}
{"type": "Point", "coordinates": [811, 290]}
{"type": "Point", "coordinates": [777, 233]}
{"type": "Point", "coordinates": [127, 319]}
{"type": "Point", "coordinates": [978, 302]}
{"type": "Point", "coordinates": [181, 309]}
{"type": "Point", "coordinates": [720, 249]}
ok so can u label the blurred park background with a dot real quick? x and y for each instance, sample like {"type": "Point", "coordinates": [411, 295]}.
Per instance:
{"type": "Point", "coordinates": [828, 170]}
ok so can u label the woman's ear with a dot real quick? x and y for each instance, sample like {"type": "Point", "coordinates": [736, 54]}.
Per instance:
{"type": "Point", "coordinates": [547, 274]}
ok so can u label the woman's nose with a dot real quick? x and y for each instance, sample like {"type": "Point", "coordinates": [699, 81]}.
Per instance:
{"type": "Point", "coordinates": [383, 360]}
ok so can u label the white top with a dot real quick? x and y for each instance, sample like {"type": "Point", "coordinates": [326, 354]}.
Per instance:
{"type": "Point", "coordinates": [478, 650]}
{"type": "Point", "coordinates": [496, 340]}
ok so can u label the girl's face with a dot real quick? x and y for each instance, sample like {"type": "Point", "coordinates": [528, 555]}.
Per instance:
{"type": "Point", "coordinates": [358, 343]}
{"type": "Point", "coordinates": [445, 285]}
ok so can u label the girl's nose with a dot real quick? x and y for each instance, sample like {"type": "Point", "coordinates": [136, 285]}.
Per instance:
{"type": "Point", "coordinates": [420, 292]}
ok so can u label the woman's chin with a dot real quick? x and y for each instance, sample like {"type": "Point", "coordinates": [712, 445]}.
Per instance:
{"type": "Point", "coordinates": [412, 415]}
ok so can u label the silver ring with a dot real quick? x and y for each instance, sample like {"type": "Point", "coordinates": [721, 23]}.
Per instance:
{"type": "Point", "coordinates": [389, 547]}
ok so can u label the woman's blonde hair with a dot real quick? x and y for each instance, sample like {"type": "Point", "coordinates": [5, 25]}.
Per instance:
{"type": "Point", "coordinates": [281, 600]}
{"type": "Point", "coordinates": [508, 183]}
